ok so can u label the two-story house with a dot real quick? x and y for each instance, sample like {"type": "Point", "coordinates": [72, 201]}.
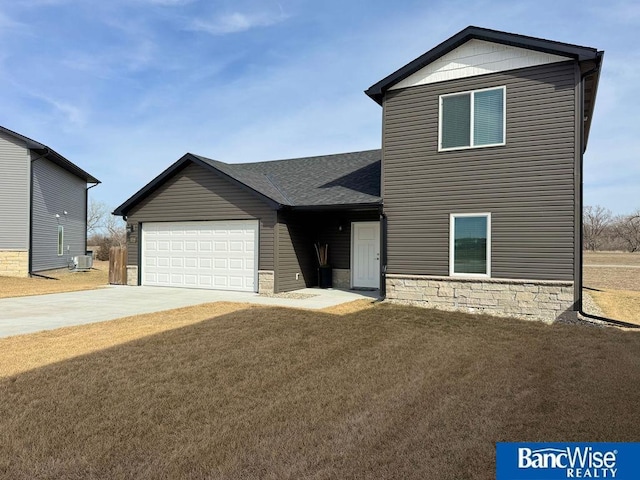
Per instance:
{"type": "Point", "coordinates": [43, 207]}
{"type": "Point", "coordinates": [473, 203]}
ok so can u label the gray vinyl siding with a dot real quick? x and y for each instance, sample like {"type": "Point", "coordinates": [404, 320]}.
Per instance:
{"type": "Point", "coordinates": [195, 193]}
{"type": "Point", "coordinates": [55, 191]}
{"type": "Point", "coordinates": [527, 185]}
{"type": "Point", "coordinates": [14, 194]}
{"type": "Point", "coordinates": [294, 254]}
{"type": "Point", "coordinates": [296, 234]}
{"type": "Point", "coordinates": [339, 241]}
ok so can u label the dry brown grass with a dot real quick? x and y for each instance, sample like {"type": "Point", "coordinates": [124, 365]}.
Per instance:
{"type": "Point", "coordinates": [613, 281]}
{"type": "Point", "coordinates": [383, 392]}
{"type": "Point", "coordinates": [619, 304]}
{"type": "Point", "coordinates": [65, 281]}
{"type": "Point", "coordinates": [612, 278]}
{"type": "Point", "coordinates": [22, 353]}
{"type": "Point", "coordinates": [612, 258]}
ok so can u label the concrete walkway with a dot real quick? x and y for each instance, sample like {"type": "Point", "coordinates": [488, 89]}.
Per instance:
{"type": "Point", "coordinates": [46, 312]}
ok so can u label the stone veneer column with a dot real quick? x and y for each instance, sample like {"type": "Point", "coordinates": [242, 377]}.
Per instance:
{"type": "Point", "coordinates": [132, 275]}
{"type": "Point", "coordinates": [526, 299]}
{"type": "Point", "coordinates": [265, 281]}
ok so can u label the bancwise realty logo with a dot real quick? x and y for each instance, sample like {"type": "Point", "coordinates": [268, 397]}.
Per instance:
{"type": "Point", "coordinates": [554, 461]}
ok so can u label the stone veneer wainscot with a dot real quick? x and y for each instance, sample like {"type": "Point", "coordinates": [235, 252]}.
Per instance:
{"type": "Point", "coordinates": [14, 264]}
{"type": "Point", "coordinates": [526, 299]}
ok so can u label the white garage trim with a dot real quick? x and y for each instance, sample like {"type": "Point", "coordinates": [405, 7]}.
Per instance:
{"type": "Point", "coordinates": [217, 255]}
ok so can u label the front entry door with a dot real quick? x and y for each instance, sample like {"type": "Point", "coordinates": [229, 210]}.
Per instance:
{"type": "Point", "coordinates": [365, 254]}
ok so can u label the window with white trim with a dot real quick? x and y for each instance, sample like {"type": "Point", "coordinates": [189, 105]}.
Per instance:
{"type": "Point", "coordinates": [470, 244]}
{"type": "Point", "coordinates": [472, 119]}
{"type": "Point", "coordinates": [60, 240]}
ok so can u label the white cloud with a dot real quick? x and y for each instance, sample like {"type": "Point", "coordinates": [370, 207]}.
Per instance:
{"type": "Point", "coordinates": [71, 113]}
{"type": "Point", "coordinates": [236, 22]}
{"type": "Point", "coordinates": [8, 23]}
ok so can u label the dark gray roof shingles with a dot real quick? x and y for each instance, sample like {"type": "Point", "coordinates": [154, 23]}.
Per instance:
{"type": "Point", "coordinates": [341, 179]}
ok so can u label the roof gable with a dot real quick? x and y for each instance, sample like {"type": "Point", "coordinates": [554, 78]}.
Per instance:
{"type": "Point", "coordinates": [51, 155]}
{"type": "Point", "coordinates": [377, 91]}
{"type": "Point", "coordinates": [177, 166]}
{"type": "Point", "coordinates": [332, 180]}
{"type": "Point", "coordinates": [477, 57]}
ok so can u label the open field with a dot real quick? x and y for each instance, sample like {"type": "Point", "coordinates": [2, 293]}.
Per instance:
{"type": "Point", "coordinates": [612, 258]}
{"type": "Point", "coordinates": [613, 281]}
{"type": "Point", "coordinates": [62, 281]}
{"type": "Point", "coordinates": [230, 391]}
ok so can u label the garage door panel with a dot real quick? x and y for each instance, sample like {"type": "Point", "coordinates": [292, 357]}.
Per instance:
{"type": "Point", "coordinates": [218, 255]}
{"type": "Point", "coordinates": [219, 246]}
{"type": "Point", "coordinates": [220, 281]}
{"type": "Point", "coordinates": [236, 246]}
{"type": "Point", "coordinates": [191, 262]}
{"type": "Point", "coordinates": [236, 264]}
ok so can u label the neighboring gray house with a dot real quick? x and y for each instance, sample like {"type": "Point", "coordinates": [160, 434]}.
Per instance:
{"type": "Point", "coordinates": [43, 207]}
{"type": "Point", "coordinates": [473, 203]}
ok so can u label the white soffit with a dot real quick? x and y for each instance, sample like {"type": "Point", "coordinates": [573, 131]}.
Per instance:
{"type": "Point", "coordinates": [477, 57]}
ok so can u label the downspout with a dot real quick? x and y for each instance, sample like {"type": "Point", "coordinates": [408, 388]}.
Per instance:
{"type": "Point", "coordinates": [30, 257]}
{"type": "Point", "coordinates": [383, 256]}
{"type": "Point", "coordinates": [86, 207]}
{"type": "Point", "coordinates": [580, 233]}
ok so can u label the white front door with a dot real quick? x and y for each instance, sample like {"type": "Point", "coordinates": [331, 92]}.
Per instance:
{"type": "Point", "coordinates": [365, 254]}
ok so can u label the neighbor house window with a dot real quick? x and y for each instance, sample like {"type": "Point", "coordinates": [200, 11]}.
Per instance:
{"type": "Point", "coordinates": [472, 119]}
{"type": "Point", "coordinates": [470, 244]}
{"type": "Point", "coordinates": [60, 239]}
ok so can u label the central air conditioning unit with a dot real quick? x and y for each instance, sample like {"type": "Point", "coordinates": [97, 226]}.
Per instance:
{"type": "Point", "coordinates": [83, 262]}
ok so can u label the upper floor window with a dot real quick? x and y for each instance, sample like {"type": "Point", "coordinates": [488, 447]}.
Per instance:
{"type": "Point", "coordinates": [472, 119]}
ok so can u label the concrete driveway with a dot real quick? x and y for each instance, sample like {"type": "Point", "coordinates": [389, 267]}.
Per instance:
{"type": "Point", "coordinates": [46, 312]}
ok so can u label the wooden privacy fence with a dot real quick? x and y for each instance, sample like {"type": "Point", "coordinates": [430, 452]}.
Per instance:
{"type": "Point", "coordinates": [118, 265]}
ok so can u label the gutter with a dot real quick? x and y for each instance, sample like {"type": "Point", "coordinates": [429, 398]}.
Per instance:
{"type": "Point", "coordinates": [580, 233]}
{"type": "Point", "coordinates": [86, 208]}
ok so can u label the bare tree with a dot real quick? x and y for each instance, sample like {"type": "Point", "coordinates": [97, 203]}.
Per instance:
{"type": "Point", "coordinates": [596, 221]}
{"type": "Point", "coordinates": [104, 229]}
{"type": "Point", "coordinates": [116, 230]}
{"type": "Point", "coordinates": [96, 214]}
{"type": "Point", "coordinates": [627, 229]}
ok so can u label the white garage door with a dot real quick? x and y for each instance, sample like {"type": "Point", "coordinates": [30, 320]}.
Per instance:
{"type": "Point", "coordinates": [215, 255]}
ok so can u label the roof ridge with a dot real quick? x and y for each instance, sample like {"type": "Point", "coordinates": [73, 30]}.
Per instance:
{"type": "Point", "coordinates": [309, 157]}
{"type": "Point", "coordinates": [284, 195]}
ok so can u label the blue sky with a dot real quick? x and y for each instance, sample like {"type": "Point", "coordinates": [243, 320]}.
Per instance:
{"type": "Point", "coordinates": [124, 88]}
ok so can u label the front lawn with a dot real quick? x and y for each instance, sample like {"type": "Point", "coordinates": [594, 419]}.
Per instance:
{"type": "Point", "coordinates": [56, 281]}
{"type": "Point", "coordinates": [254, 392]}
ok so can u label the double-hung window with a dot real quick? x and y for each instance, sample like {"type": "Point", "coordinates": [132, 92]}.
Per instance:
{"type": "Point", "coordinates": [472, 119]}
{"type": "Point", "coordinates": [470, 244]}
